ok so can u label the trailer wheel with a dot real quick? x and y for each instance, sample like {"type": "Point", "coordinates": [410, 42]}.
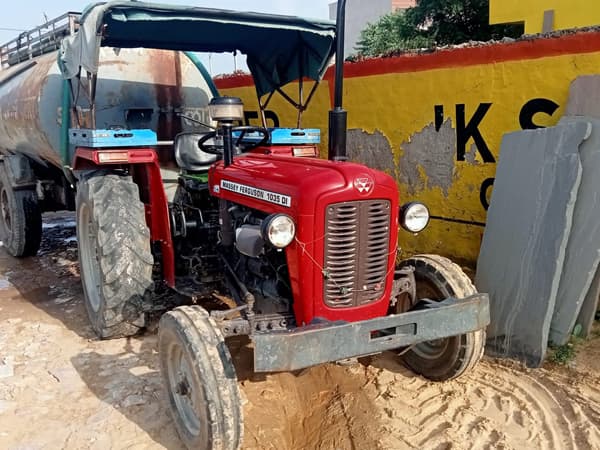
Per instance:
{"type": "Point", "coordinates": [20, 219]}
{"type": "Point", "coordinates": [115, 259]}
{"type": "Point", "coordinates": [200, 380]}
{"type": "Point", "coordinates": [443, 359]}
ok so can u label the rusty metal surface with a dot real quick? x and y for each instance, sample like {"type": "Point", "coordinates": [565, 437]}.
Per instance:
{"type": "Point", "coordinates": [137, 88]}
{"type": "Point", "coordinates": [166, 70]}
{"type": "Point", "coordinates": [21, 107]}
{"type": "Point", "coordinates": [316, 344]}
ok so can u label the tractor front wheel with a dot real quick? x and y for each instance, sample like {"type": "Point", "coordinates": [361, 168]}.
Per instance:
{"type": "Point", "coordinates": [200, 380]}
{"type": "Point", "coordinates": [438, 278]}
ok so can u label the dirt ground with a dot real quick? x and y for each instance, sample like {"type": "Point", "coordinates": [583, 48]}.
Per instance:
{"type": "Point", "coordinates": [62, 388]}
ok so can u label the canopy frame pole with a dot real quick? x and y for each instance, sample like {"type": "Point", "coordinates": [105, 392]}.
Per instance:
{"type": "Point", "coordinates": [263, 107]}
{"type": "Point", "coordinates": [293, 102]}
{"type": "Point", "coordinates": [300, 89]}
{"type": "Point", "coordinates": [301, 107]}
{"type": "Point", "coordinates": [311, 94]}
{"type": "Point", "coordinates": [74, 99]}
{"type": "Point", "coordinates": [93, 82]}
{"type": "Point", "coordinates": [89, 90]}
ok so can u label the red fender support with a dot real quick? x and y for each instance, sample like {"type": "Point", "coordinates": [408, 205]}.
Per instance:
{"type": "Point", "coordinates": [143, 165]}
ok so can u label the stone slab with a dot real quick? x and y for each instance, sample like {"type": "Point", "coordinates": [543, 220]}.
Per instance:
{"type": "Point", "coordinates": [525, 239]}
{"type": "Point", "coordinates": [584, 95]}
{"type": "Point", "coordinates": [591, 304]}
{"type": "Point", "coordinates": [583, 249]}
{"type": "Point", "coordinates": [548, 24]}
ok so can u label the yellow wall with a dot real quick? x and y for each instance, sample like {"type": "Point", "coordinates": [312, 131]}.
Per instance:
{"type": "Point", "coordinates": [567, 13]}
{"type": "Point", "coordinates": [392, 106]}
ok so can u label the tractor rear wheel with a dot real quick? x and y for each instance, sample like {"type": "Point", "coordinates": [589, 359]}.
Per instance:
{"type": "Point", "coordinates": [115, 259]}
{"type": "Point", "coordinates": [438, 278]}
{"type": "Point", "coordinates": [200, 380]}
{"type": "Point", "coordinates": [20, 219]}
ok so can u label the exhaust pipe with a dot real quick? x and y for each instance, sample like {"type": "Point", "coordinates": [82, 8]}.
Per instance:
{"type": "Point", "coordinates": [338, 117]}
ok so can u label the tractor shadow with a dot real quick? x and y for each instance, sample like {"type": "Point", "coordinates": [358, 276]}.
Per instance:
{"type": "Point", "coordinates": [125, 375]}
{"type": "Point", "coordinates": [50, 281]}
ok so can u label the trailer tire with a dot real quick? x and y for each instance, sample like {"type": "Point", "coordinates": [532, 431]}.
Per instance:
{"type": "Point", "coordinates": [443, 359]}
{"type": "Point", "coordinates": [20, 219]}
{"type": "Point", "coordinates": [200, 380]}
{"type": "Point", "coordinates": [115, 258]}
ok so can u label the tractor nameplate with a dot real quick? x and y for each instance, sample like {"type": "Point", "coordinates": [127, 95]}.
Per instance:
{"type": "Point", "coordinates": [254, 192]}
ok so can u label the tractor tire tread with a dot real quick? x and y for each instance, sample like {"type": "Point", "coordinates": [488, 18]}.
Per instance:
{"type": "Point", "coordinates": [123, 249]}
{"type": "Point", "coordinates": [25, 236]}
{"type": "Point", "coordinates": [204, 340]}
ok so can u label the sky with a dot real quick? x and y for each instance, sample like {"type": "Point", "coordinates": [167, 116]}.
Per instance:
{"type": "Point", "coordinates": [26, 14]}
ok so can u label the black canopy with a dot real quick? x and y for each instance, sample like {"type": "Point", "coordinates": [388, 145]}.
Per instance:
{"type": "Point", "coordinates": [279, 49]}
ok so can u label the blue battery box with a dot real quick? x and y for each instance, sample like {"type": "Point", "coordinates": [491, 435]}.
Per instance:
{"type": "Point", "coordinates": [287, 136]}
{"type": "Point", "coordinates": [83, 137]}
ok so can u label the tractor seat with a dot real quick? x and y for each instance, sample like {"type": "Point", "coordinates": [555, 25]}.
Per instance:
{"type": "Point", "coordinates": [187, 154]}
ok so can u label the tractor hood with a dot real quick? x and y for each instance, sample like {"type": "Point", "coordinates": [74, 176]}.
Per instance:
{"type": "Point", "coordinates": [296, 186]}
{"type": "Point", "coordinates": [280, 49]}
{"type": "Point", "coordinates": [308, 190]}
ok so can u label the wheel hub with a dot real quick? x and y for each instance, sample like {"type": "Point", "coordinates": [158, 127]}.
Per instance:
{"type": "Point", "coordinates": [180, 377]}
{"type": "Point", "coordinates": [183, 388]}
{"type": "Point", "coordinates": [431, 349]}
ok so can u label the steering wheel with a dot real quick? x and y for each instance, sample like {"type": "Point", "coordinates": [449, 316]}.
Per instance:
{"type": "Point", "coordinates": [252, 145]}
{"type": "Point", "coordinates": [215, 149]}
{"type": "Point", "coordinates": [212, 149]}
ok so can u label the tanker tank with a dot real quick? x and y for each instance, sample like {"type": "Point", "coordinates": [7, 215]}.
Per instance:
{"type": "Point", "coordinates": [136, 88]}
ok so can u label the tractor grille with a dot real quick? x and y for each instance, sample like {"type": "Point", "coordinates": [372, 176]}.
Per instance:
{"type": "Point", "coordinates": [356, 252]}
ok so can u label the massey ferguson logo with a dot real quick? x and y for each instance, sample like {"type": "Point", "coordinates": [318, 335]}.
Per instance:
{"type": "Point", "coordinates": [364, 184]}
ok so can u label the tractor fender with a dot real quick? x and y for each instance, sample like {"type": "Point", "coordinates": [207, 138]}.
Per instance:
{"type": "Point", "coordinates": [143, 165]}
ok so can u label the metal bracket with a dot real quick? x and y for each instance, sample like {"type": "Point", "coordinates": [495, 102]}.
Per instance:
{"type": "Point", "coordinates": [404, 283]}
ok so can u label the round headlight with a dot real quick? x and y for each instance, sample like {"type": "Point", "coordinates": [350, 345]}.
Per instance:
{"type": "Point", "coordinates": [414, 217]}
{"type": "Point", "coordinates": [279, 230]}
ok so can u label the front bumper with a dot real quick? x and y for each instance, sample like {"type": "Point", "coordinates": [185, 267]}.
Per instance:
{"type": "Point", "coordinates": [315, 344]}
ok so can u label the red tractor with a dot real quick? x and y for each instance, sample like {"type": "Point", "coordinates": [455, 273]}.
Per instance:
{"type": "Point", "coordinates": [261, 238]}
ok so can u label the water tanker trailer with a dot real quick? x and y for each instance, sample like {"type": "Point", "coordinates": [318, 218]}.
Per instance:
{"type": "Point", "coordinates": [254, 235]}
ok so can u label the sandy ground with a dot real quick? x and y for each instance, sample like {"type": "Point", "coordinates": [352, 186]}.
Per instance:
{"type": "Point", "coordinates": [62, 388]}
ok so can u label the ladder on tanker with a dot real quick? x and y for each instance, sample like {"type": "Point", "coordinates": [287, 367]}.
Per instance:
{"type": "Point", "coordinates": [43, 39]}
